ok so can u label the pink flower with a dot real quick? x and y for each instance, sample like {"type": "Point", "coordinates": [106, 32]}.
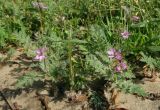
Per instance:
{"type": "Point", "coordinates": [135, 18]}
{"type": "Point", "coordinates": [118, 68]}
{"type": "Point", "coordinates": [118, 55]}
{"type": "Point", "coordinates": [111, 53]}
{"type": "Point", "coordinates": [123, 65]}
{"type": "Point", "coordinates": [40, 54]}
{"type": "Point", "coordinates": [125, 34]}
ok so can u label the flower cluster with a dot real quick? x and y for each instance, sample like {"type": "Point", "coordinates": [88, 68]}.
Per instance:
{"type": "Point", "coordinates": [121, 66]}
{"type": "Point", "coordinates": [114, 54]}
{"type": "Point", "coordinates": [40, 54]}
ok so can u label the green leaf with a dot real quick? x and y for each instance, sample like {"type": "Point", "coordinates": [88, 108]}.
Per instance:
{"type": "Point", "coordinates": [72, 41]}
{"type": "Point", "coordinates": [129, 87]}
{"type": "Point", "coordinates": [97, 63]}
{"type": "Point", "coordinates": [151, 62]}
{"type": "Point", "coordinates": [154, 48]}
{"type": "Point", "coordinates": [140, 24]}
{"type": "Point", "coordinates": [76, 41]}
{"type": "Point", "coordinates": [28, 79]}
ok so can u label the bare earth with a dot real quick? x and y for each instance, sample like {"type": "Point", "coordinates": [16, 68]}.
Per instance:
{"type": "Point", "coordinates": [28, 100]}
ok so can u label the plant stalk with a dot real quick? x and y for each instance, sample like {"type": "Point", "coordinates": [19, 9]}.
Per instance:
{"type": "Point", "coordinates": [70, 60]}
{"type": "Point", "coordinates": [4, 98]}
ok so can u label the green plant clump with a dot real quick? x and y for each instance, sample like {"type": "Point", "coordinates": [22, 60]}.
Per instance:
{"type": "Point", "coordinates": [77, 41]}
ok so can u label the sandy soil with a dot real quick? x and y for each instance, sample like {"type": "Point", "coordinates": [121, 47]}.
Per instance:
{"type": "Point", "coordinates": [133, 102]}
{"type": "Point", "coordinates": [28, 99]}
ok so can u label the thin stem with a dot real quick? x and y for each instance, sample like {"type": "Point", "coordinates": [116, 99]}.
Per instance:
{"type": "Point", "coordinates": [45, 66]}
{"type": "Point", "coordinates": [70, 60]}
{"type": "Point", "coordinates": [41, 14]}
{"type": "Point", "coordinates": [4, 98]}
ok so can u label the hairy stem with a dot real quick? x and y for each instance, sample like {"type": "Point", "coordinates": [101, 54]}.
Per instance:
{"type": "Point", "coordinates": [70, 60]}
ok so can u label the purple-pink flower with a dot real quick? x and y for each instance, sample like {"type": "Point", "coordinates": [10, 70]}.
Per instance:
{"type": "Point", "coordinates": [40, 54]}
{"type": "Point", "coordinates": [120, 67]}
{"type": "Point", "coordinates": [125, 34]}
{"type": "Point", "coordinates": [135, 18]}
{"type": "Point", "coordinates": [123, 65]}
{"type": "Point", "coordinates": [111, 53]}
{"type": "Point", "coordinates": [118, 55]}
